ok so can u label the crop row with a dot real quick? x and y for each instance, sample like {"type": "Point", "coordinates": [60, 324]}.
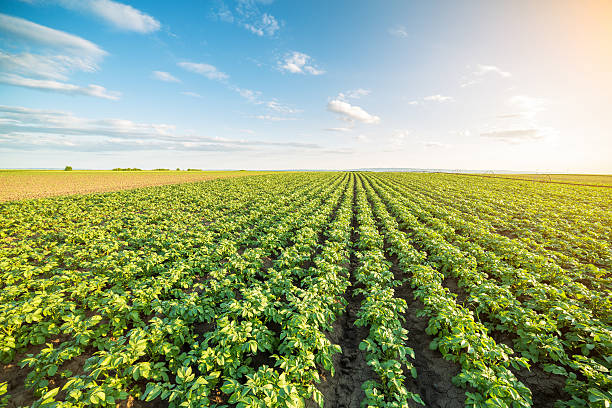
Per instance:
{"type": "Point", "coordinates": [549, 327]}
{"type": "Point", "coordinates": [228, 292]}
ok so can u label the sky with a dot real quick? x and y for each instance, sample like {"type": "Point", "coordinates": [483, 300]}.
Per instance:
{"type": "Point", "coordinates": [264, 84]}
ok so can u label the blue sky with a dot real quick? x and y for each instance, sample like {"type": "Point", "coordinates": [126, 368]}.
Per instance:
{"type": "Point", "coordinates": [284, 84]}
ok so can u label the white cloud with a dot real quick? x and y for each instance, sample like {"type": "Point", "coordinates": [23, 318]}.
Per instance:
{"type": "Point", "coordinates": [122, 16]}
{"type": "Point", "coordinates": [481, 71]}
{"type": "Point", "coordinates": [399, 138]}
{"type": "Point", "coordinates": [413, 103]}
{"type": "Point", "coordinates": [246, 13]}
{"type": "Point", "coordinates": [469, 82]}
{"type": "Point", "coordinates": [299, 63]}
{"type": "Point", "coordinates": [61, 87]}
{"type": "Point", "coordinates": [45, 66]}
{"type": "Point", "coordinates": [59, 55]}
{"type": "Point", "coordinates": [519, 135]}
{"type": "Point", "coordinates": [353, 94]}
{"type": "Point", "coordinates": [265, 25]}
{"type": "Point", "coordinates": [528, 106]}
{"type": "Point", "coordinates": [255, 97]}
{"type": "Point", "coordinates": [350, 112]}
{"type": "Point", "coordinates": [24, 128]}
{"type": "Point", "coordinates": [119, 15]}
{"type": "Point", "coordinates": [192, 94]}
{"type": "Point", "coordinates": [272, 118]}
{"type": "Point", "coordinates": [279, 107]}
{"type": "Point", "coordinates": [207, 70]}
{"type": "Point", "coordinates": [248, 94]}
{"type": "Point", "coordinates": [398, 31]}
{"type": "Point", "coordinates": [338, 129]}
{"type": "Point", "coordinates": [35, 34]}
{"type": "Point", "coordinates": [438, 98]}
{"type": "Point", "coordinates": [164, 76]}
{"type": "Point", "coordinates": [487, 69]}
{"type": "Point", "coordinates": [223, 13]}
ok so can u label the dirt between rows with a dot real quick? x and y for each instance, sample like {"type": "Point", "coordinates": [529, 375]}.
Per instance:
{"type": "Point", "coordinates": [434, 373]}
{"type": "Point", "coordinates": [343, 390]}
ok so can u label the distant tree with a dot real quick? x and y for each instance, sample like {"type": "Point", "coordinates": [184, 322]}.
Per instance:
{"type": "Point", "coordinates": [68, 168]}
{"type": "Point", "coordinates": [194, 169]}
{"type": "Point", "coordinates": [177, 169]}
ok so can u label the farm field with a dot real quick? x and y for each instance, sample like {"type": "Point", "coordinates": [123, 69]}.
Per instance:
{"type": "Point", "coordinates": [24, 184]}
{"type": "Point", "coordinates": [309, 289]}
{"type": "Point", "coordinates": [580, 179]}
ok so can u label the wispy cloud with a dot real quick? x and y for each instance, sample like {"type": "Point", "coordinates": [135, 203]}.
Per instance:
{"type": "Point", "coordinates": [527, 106]}
{"type": "Point", "coordinates": [354, 94]}
{"type": "Point", "coordinates": [192, 94]}
{"type": "Point", "coordinates": [164, 76]}
{"type": "Point", "coordinates": [350, 112]}
{"type": "Point", "coordinates": [438, 98]}
{"type": "Point", "coordinates": [61, 87]}
{"type": "Point", "coordinates": [399, 138]}
{"type": "Point", "coordinates": [518, 135]}
{"type": "Point", "coordinates": [480, 71]}
{"type": "Point", "coordinates": [299, 63]}
{"type": "Point", "coordinates": [247, 14]}
{"type": "Point", "coordinates": [469, 82]}
{"type": "Point", "coordinates": [338, 129]}
{"type": "Point", "coordinates": [272, 118]}
{"type": "Point", "coordinates": [431, 98]}
{"type": "Point", "coordinates": [45, 66]}
{"type": "Point", "coordinates": [279, 107]}
{"type": "Point", "coordinates": [254, 97]}
{"type": "Point", "coordinates": [121, 16]}
{"type": "Point", "coordinates": [31, 33]}
{"type": "Point", "coordinates": [24, 128]}
{"type": "Point", "coordinates": [206, 70]}
{"type": "Point", "coordinates": [399, 31]}
{"type": "Point", "coordinates": [59, 54]}
{"type": "Point", "coordinates": [521, 125]}
{"type": "Point", "coordinates": [491, 69]}
{"type": "Point", "coordinates": [514, 135]}
{"type": "Point", "coordinates": [266, 25]}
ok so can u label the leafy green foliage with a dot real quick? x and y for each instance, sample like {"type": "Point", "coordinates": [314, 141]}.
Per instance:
{"type": "Point", "coordinates": [223, 293]}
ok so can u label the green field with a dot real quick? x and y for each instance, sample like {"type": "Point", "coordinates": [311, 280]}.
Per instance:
{"type": "Point", "coordinates": [308, 289]}
{"type": "Point", "coordinates": [579, 179]}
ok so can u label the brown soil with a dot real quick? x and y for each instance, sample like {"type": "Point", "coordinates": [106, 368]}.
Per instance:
{"type": "Point", "coordinates": [546, 388]}
{"type": "Point", "coordinates": [343, 390]}
{"type": "Point", "coordinates": [505, 233]}
{"type": "Point", "coordinates": [452, 284]}
{"type": "Point", "coordinates": [434, 373]}
{"type": "Point", "coordinates": [15, 377]}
